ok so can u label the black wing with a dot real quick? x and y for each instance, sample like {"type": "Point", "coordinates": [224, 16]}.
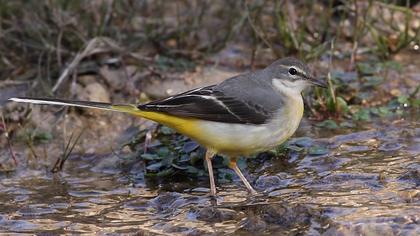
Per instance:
{"type": "Point", "coordinates": [213, 104]}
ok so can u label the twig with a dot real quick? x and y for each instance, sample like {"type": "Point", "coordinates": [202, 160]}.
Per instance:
{"type": "Point", "coordinates": [30, 144]}
{"type": "Point", "coordinates": [58, 51]}
{"type": "Point", "coordinates": [329, 80]}
{"type": "Point", "coordinates": [254, 27]}
{"type": "Point", "coordinates": [353, 56]}
{"type": "Point", "coordinates": [147, 140]}
{"type": "Point", "coordinates": [415, 92]}
{"type": "Point", "coordinates": [94, 46]}
{"type": "Point", "coordinates": [9, 143]}
{"type": "Point", "coordinates": [58, 166]}
{"type": "Point", "coordinates": [355, 37]}
{"type": "Point", "coordinates": [292, 20]}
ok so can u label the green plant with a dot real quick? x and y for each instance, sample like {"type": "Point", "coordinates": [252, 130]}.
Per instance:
{"type": "Point", "coordinates": [67, 150]}
{"type": "Point", "coordinates": [389, 35]}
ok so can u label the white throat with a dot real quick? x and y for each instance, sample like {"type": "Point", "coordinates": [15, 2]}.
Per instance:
{"type": "Point", "coordinates": [289, 88]}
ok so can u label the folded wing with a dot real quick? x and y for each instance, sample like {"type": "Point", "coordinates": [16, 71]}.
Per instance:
{"type": "Point", "coordinates": [212, 104]}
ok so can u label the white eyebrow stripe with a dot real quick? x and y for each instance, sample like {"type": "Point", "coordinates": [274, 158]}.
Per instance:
{"type": "Point", "coordinates": [297, 68]}
{"type": "Point", "coordinates": [300, 71]}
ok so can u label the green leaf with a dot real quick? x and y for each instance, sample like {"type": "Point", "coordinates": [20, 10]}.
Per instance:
{"type": "Point", "coordinates": [318, 150]}
{"type": "Point", "coordinates": [372, 81]}
{"type": "Point", "coordinates": [150, 157]}
{"type": "Point", "coordinates": [330, 104]}
{"type": "Point", "coordinates": [329, 124]}
{"type": "Point", "coordinates": [192, 170]}
{"type": "Point", "coordinates": [165, 172]}
{"type": "Point", "coordinates": [384, 110]}
{"type": "Point", "coordinates": [394, 65]}
{"type": "Point", "coordinates": [302, 142]}
{"type": "Point", "coordinates": [242, 163]}
{"type": "Point", "coordinates": [381, 111]}
{"type": "Point", "coordinates": [224, 175]}
{"type": "Point", "coordinates": [344, 77]}
{"type": "Point", "coordinates": [43, 137]}
{"type": "Point", "coordinates": [415, 102]}
{"type": "Point", "coordinates": [163, 152]}
{"type": "Point", "coordinates": [179, 167]}
{"type": "Point", "coordinates": [295, 148]}
{"type": "Point", "coordinates": [362, 115]}
{"type": "Point", "coordinates": [154, 167]}
{"type": "Point", "coordinates": [280, 149]}
{"type": "Point", "coordinates": [342, 105]}
{"type": "Point", "coordinates": [166, 130]}
{"type": "Point", "coordinates": [184, 158]}
{"type": "Point", "coordinates": [346, 124]}
{"type": "Point", "coordinates": [190, 146]}
{"type": "Point", "coordinates": [366, 95]}
{"type": "Point", "coordinates": [366, 69]}
{"type": "Point", "coordinates": [403, 99]}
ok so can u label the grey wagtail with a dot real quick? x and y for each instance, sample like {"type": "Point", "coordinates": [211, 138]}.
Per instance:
{"type": "Point", "coordinates": [245, 114]}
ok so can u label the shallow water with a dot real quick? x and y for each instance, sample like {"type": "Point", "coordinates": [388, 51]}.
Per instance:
{"type": "Point", "coordinates": [355, 182]}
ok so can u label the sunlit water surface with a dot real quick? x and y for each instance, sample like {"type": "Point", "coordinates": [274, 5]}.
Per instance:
{"type": "Point", "coordinates": [361, 181]}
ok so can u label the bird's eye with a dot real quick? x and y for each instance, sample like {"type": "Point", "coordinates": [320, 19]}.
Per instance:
{"type": "Point", "coordinates": [292, 71]}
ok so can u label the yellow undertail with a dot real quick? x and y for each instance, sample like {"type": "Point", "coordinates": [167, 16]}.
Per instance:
{"type": "Point", "coordinates": [186, 126]}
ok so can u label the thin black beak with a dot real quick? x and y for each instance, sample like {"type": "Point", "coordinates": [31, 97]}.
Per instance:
{"type": "Point", "coordinates": [318, 82]}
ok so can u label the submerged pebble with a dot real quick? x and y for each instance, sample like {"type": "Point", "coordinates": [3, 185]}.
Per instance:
{"type": "Point", "coordinates": [270, 183]}
{"type": "Point", "coordinates": [411, 176]}
{"type": "Point", "coordinates": [387, 147]}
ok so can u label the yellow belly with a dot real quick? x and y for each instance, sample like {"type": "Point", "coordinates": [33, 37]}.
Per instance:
{"type": "Point", "coordinates": [234, 139]}
{"type": "Point", "coordinates": [186, 126]}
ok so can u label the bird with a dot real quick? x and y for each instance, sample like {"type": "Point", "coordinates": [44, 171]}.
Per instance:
{"type": "Point", "coordinates": [243, 115]}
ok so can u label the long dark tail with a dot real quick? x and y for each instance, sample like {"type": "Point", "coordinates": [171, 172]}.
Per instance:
{"type": "Point", "coordinates": [128, 108]}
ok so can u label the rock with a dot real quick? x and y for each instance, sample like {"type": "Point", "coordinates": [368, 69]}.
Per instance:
{"type": "Point", "coordinates": [167, 202]}
{"type": "Point", "coordinates": [86, 79]}
{"type": "Point", "coordinates": [107, 164]}
{"type": "Point", "coordinates": [156, 89]}
{"type": "Point", "coordinates": [10, 89]}
{"type": "Point", "coordinates": [411, 176]}
{"type": "Point", "coordinates": [289, 216]}
{"type": "Point", "coordinates": [14, 111]}
{"type": "Point", "coordinates": [116, 78]}
{"type": "Point", "coordinates": [339, 231]}
{"type": "Point", "coordinates": [270, 183]}
{"type": "Point", "coordinates": [214, 214]}
{"type": "Point", "coordinates": [253, 223]}
{"type": "Point", "coordinates": [95, 92]}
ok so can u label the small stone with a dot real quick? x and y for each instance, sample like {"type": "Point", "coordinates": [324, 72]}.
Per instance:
{"type": "Point", "coordinates": [213, 214]}
{"type": "Point", "coordinates": [86, 79]}
{"type": "Point", "coordinates": [115, 77]}
{"type": "Point", "coordinates": [270, 183]}
{"type": "Point", "coordinates": [94, 92]}
{"type": "Point", "coordinates": [253, 223]}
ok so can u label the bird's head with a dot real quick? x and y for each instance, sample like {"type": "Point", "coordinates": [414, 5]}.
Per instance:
{"type": "Point", "coordinates": [290, 74]}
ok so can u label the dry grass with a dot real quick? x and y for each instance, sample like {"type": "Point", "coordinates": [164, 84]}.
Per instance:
{"type": "Point", "coordinates": [43, 37]}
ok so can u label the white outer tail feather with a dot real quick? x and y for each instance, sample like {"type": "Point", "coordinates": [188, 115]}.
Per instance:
{"type": "Point", "coordinates": [39, 101]}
